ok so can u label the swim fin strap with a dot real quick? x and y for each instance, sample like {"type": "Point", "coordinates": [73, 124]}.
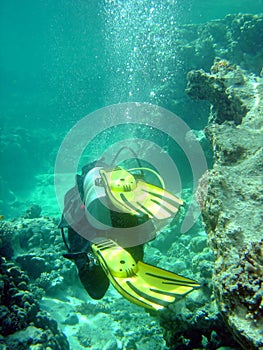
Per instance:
{"type": "Point", "coordinates": [138, 197]}
{"type": "Point", "coordinates": [142, 284]}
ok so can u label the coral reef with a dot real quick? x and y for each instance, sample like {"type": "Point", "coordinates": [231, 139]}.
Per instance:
{"type": "Point", "coordinates": [226, 103]}
{"type": "Point", "coordinates": [50, 282]}
{"type": "Point", "coordinates": [38, 250]}
{"type": "Point", "coordinates": [23, 325]}
{"type": "Point", "coordinates": [30, 242]}
{"type": "Point", "coordinates": [194, 321]}
{"type": "Point", "coordinates": [232, 211]}
{"type": "Point", "coordinates": [6, 233]}
{"type": "Point", "coordinates": [33, 212]}
{"type": "Point", "coordinates": [39, 244]}
{"type": "Point", "coordinates": [230, 38]}
{"type": "Point", "coordinates": [235, 38]}
{"type": "Point", "coordinates": [196, 324]}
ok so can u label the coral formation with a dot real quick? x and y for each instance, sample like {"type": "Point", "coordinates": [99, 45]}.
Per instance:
{"type": "Point", "coordinates": [197, 47]}
{"type": "Point", "coordinates": [195, 321]}
{"type": "Point", "coordinates": [196, 326]}
{"type": "Point", "coordinates": [30, 242]}
{"type": "Point", "coordinates": [232, 211]}
{"type": "Point", "coordinates": [226, 103]}
{"type": "Point", "coordinates": [23, 325]}
{"type": "Point", "coordinates": [51, 283]}
{"type": "Point", "coordinates": [40, 248]}
{"type": "Point", "coordinates": [6, 232]}
{"type": "Point", "coordinates": [33, 212]}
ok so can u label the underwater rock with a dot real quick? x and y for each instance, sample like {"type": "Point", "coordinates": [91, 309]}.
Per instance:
{"type": "Point", "coordinates": [112, 345]}
{"type": "Point", "coordinates": [90, 308]}
{"type": "Point", "coordinates": [195, 323]}
{"type": "Point", "coordinates": [232, 210]}
{"type": "Point", "coordinates": [33, 212]}
{"type": "Point", "coordinates": [198, 244]}
{"type": "Point", "coordinates": [40, 248]}
{"type": "Point", "coordinates": [235, 132]}
{"type": "Point", "coordinates": [230, 38]}
{"type": "Point", "coordinates": [131, 345]}
{"type": "Point", "coordinates": [235, 38]}
{"type": "Point", "coordinates": [32, 264]}
{"type": "Point", "coordinates": [6, 233]}
{"type": "Point", "coordinates": [227, 104]}
{"type": "Point", "coordinates": [71, 319]}
{"type": "Point", "coordinates": [244, 30]}
{"type": "Point", "coordinates": [22, 323]}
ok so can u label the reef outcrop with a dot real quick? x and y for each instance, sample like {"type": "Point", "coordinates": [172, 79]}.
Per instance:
{"type": "Point", "coordinates": [237, 38]}
{"type": "Point", "coordinates": [233, 207]}
{"type": "Point", "coordinates": [23, 324]}
{"type": "Point", "coordinates": [44, 306]}
{"type": "Point", "coordinates": [226, 103]}
{"type": "Point", "coordinates": [28, 270]}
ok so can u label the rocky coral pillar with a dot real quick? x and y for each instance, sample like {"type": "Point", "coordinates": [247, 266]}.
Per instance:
{"type": "Point", "coordinates": [233, 208]}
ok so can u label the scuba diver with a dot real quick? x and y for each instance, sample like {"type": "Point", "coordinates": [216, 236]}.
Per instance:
{"type": "Point", "coordinates": [109, 214]}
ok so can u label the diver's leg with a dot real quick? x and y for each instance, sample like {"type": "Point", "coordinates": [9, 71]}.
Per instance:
{"type": "Point", "coordinates": [123, 220]}
{"type": "Point", "coordinates": [93, 278]}
{"type": "Point", "coordinates": [77, 243]}
{"type": "Point", "coordinates": [136, 252]}
{"type": "Point", "coordinates": [91, 275]}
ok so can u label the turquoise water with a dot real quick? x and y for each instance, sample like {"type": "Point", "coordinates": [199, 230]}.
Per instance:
{"type": "Point", "coordinates": [61, 60]}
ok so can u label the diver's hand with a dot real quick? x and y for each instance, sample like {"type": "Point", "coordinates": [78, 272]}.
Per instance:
{"type": "Point", "coordinates": [74, 256]}
{"type": "Point", "coordinates": [82, 259]}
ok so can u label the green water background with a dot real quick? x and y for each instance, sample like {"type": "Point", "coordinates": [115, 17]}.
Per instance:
{"type": "Point", "coordinates": [55, 63]}
{"type": "Point", "coordinates": [61, 59]}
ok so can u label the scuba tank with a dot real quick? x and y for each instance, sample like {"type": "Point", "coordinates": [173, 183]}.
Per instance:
{"type": "Point", "coordinates": [94, 197]}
